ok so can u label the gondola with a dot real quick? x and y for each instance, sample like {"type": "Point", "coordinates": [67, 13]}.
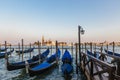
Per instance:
{"type": "Point", "coordinates": [67, 67]}
{"type": "Point", "coordinates": [111, 53]}
{"type": "Point", "coordinates": [46, 65]}
{"type": "Point", "coordinates": [31, 62]}
{"type": "Point", "coordinates": [94, 55]}
{"type": "Point", "coordinates": [90, 53]}
{"type": "Point", "coordinates": [25, 51]}
{"type": "Point", "coordinates": [2, 54]}
{"type": "Point", "coordinates": [3, 49]}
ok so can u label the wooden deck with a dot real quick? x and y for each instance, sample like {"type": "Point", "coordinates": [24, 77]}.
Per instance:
{"type": "Point", "coordinates": [96, 69]}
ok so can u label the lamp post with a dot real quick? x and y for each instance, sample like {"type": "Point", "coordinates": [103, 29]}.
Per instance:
{"type": "Point", "coordinates": [80, 31]}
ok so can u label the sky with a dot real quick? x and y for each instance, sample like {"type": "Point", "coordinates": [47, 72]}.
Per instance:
{"type": "Point", "coordinates": [59, 20]}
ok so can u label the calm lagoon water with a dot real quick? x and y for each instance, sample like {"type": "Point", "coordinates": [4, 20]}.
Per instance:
{"type": "Point", "coordinates": [54, 74]}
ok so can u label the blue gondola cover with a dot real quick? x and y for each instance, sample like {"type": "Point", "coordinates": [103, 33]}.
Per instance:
{"type": "Point", "coordinates": [66, 67]}
{"type": "Point", "coordinates": [66, 57]}
{"type": "Point", "coordinates": [111, 53]}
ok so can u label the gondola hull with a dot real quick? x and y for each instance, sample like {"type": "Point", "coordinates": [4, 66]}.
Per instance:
{"type": "Point", "coordinates": [32, 62]}
{"type": "Point", "coordinates": [25, 51]}
{"type": "Point", "coordinates": [45, 66]}
{"type": "Point", "coordinates": [67, 67]}
{"type": "Point", "coordinates": [4, 49]}
{"type": "Point", "coordinates": [37, 72]}
{"type": "Point", "coordinates": [111, 53]}
{"type": "Point", "coordinates": [11, 67]}
{"type": "Point", "coordinates": [2, 54]}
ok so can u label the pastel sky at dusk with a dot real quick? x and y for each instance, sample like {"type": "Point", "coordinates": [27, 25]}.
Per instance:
{"type": "Point", "coordinates": [59, 20]}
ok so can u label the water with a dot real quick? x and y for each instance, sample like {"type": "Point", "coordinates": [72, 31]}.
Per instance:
{"type": "Point", "coordinates": [54, 74]}
{"type": "Point", "coordinates": [4, 74]}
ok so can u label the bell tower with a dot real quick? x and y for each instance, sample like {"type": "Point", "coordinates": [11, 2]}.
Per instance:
{"type": "Point", "coordinates": [42, 40]}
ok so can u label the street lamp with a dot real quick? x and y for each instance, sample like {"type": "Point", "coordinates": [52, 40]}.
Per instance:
{"type": "Point", "coordinates": [80, 31]}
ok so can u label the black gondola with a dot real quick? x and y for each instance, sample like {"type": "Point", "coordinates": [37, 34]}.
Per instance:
{"type": "Point", "coordinates": [46, 65]}
{"type": "Point", "coordinates": [67, 67]}
{"type": "Point", "coordinates": [3, 49]}
{"type": "Point", "coordinates": [111, 53]}
{"type": "Point", "coordinates": [2, 54]}
{"type": "Point", "coordinates": [25, 51]}
{"type": "Point", "coordinates": [31, 62]}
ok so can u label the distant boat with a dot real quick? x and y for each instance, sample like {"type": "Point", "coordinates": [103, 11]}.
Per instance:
{"type": "Point", "coordinates": [25, 51]}
{"type": "Point", "coordinates": [97, 55]}
{"type": "Point", "coordinates": [90, 53]}
{"type": "Point", "coordinates": [46, 65]}
{"type": "Point", "coordinates": [67, 67]}
{"type": "Point", "coordinates": [3, 49]}
{"type": "Point", "coordinates": [111, 53]}
{"type": "Point", "coordinates": [31, 62]}
{"type": "Point", "coordinates": [2, 54]}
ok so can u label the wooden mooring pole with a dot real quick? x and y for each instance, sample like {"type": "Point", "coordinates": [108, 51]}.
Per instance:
{"type": "Point", "coordinates": [22, 49]}
{"type": "Point", "coordinates": [19, 49]}
{"type": "Point", "coordinates": [91, 65]}
{"type": "Point", "coordinates": [72, 49]}
{"type": "Point", "coordinates": [82, 47]}
{"type": "Point", "coordinates": [51, 49]}
{"type": "Point", "coordinates": [30, 51]}
{"type": "Point", "coordinates": [62, 48]}
{"type": "Point", "coordinates": [95, 50]}
{"type": "Point", "coordinates": [56, 51]}
{"type": "Point", "coordinates": [6, 56]}
{"type": "Point", "coordinates": [91, 47]}
{"type": "Point", "coordinates": [102, 56]}
{"type": "Point", "coordinates": [6, 50]}
{"type": "Point", "coordinates": [76, 58]}
{"type": "Point", "coordinates": [117, 61]}
{"type": "Point", "coordinates": [107, 48]}
{"type": "Point", "coordinates": [84, 57]}
{"type": "Point", "coordinates": [101, 50]}
{"type": "Point", "coordinates": [0, 47]}
{"type": "Point", "coordinates": [86, 48]}
{"type": "Point", "coordinates": [118, 67]}
{"type": "Point", "coordinates": [95, 47]}
{"type": "Point", "coordinates": [79, 42]}
{"type": "Point", "coordinates": [111, 72]}
{"type": "Point", "coordinates": [10, 49]}
{"type": "Point", "coordinates": [113, 48]}
{"type": "Point", "coordinates": [39, 51]}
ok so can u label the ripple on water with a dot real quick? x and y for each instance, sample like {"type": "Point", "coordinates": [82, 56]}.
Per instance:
{"type": "Point", "coordinates": [4, 73]}
{"type": "Point", "coordinates": [53, 74]}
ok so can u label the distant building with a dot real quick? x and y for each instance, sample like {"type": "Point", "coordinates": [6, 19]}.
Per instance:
{"type": "Point", "coordinates": [43, 40]}
{"type": "Point", "coordinates": [47, 42]}
{"type": "Point", "coordinates": [62, 44]}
